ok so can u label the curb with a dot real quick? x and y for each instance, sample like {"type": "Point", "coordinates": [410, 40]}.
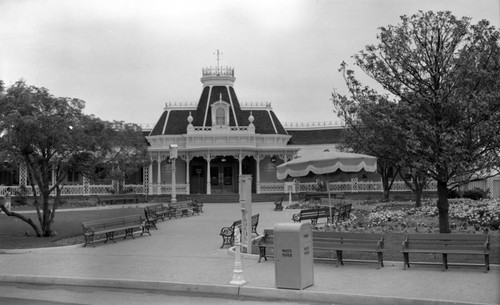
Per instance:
{"type": "Point", "coordinates": [227, 290]}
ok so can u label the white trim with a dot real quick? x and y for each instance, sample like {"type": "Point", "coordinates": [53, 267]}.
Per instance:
{"type": "Point", "coordinates": [232, 105]}
{"type": "Point", "coordinates": [208, 104]}
{"type": "Point", "coordinates": [272, 121]}
{"type": "Point", "coordinates": [166, 120]}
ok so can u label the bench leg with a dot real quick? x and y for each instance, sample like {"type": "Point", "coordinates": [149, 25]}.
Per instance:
{"type": "Point", "coordinates": [406, 260]}
{"type": "Point", "coordinates": [110, 236]}
{"type": "Point", "coordinates": [486, 262]}
{"type": "Point", "coordinates": [89, 240]}
{"type": "Point", "coordinates": [129, 232]}
{"type": "Point", "coordinates": [262, 253]}
{"type": "Point", "coordinates": [445, 261]}
{"type": "Point", "coordinates": [339, 258]}
{"type": "Point", "coordinates": [381, 258]}
{"type": "Point", "coordinates": [145, 229]}
{"type": "Point", "coordinates": [227, 240]}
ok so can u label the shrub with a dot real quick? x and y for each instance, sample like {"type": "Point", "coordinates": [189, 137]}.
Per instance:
{"type": "Point", "coordinates": [452, 194]}
{"type": "Point", "coordinates": [475, 194]}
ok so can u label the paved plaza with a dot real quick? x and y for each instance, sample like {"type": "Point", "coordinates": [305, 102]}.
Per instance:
{"type": "Point", "coordinates": [184, 255]}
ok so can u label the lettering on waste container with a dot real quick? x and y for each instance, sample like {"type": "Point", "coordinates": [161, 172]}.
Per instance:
{"type": "Point", "coordinates": [306, 250]}
{"type": "Point", "coordinates": [286, 252]}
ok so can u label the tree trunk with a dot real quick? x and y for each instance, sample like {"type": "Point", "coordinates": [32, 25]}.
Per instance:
{"type": "Point", "coordinates": [46, 217]}
{"type": "Point", "coordinates": [443, 207]}
{"type": "Point", "coordinates": [418, 198]}
{"type": "Point", "coordinates": [21, 216]}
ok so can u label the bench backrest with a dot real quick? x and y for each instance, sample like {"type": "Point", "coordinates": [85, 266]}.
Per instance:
{"type": "Point", "coordinates": [180, 205]}
{"type": "Point", "coordinates": [309, 213]}
{"type": "Point", "coordinates": [255, 222]}
{"type": "Point", "coordinates": [345, 211]}
{"type": "Point", "coordinates": [115, 222]}
{"type": "Point", "coordinates": [446, 241]}
{"type": "Point", "coordinates": [156, 207]}
{"type": "Point", "coordinates": [354, 240]}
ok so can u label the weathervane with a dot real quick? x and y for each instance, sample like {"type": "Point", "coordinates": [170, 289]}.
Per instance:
{"type": "Point", "coordinates": [218, 53]}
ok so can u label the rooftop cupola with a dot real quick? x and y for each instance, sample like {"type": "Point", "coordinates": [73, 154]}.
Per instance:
{"type": "Point", "coordinates": [218, 76]}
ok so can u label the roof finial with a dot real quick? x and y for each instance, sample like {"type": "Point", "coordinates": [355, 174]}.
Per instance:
{"type": "Point", "coordinates": [218, 53]}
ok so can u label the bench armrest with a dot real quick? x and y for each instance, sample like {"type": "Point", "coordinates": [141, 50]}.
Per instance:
{"type": "Point", "coordinates": [227, 231]}
{"type": "Point", "coordinates": [296, 217]}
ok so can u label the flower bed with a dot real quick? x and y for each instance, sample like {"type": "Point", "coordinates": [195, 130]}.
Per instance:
{"type": "Point", "coordinates": [466, 215]}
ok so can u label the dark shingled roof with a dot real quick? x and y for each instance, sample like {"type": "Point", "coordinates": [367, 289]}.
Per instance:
{"type": "Point", "coordinates": [177, 119]}
{"type": "Point", "coordinates": [315, 136]}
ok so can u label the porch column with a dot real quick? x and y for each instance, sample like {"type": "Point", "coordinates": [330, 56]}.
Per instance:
{"type": "Point", "coordinates": [209, 189]}
{"type": "Point", "coordinates": [158, 178]}
{"type": "Point", "coordinates": [188, 172]}
{"type": "Point", "coordinates": [257, 174]}
{"type": "Point", "coordinates": [240, 164]}
{"type": "Point", "coordinates": [150, 179]}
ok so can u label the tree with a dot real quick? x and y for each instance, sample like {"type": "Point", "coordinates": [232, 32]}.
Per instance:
{"type": "Point", "coordinates": [444, 73]}
{"type": "Point", "coordinates": [52, 136]}
{"type": "Point", "coordinates": [368, 127]}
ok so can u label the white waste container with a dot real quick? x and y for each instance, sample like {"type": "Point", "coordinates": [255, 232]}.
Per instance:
{"type": "Point", "coordinates": [293, 252]}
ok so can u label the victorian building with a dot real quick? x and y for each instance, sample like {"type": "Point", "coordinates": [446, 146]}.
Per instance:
{"type": "Point", "coordinates": [217, 140]}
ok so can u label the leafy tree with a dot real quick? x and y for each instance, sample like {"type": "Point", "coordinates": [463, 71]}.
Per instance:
{"type": "Point", "coordinates": [52, 136]}
{"type": "Point", "coordinates": [368, 120]}
{"type": "Point", "coordinates": [444, 74]}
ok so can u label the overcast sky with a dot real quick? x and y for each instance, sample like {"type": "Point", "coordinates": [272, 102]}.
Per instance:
{"type": "Point", "coordinates": [127, 58]}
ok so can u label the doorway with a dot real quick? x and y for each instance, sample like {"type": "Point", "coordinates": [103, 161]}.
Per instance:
{"type": "Point", "coordinates": [222, 175]}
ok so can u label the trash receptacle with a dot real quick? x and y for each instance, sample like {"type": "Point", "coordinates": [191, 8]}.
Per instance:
{"type": "Point", "coordinates": [293, 252]}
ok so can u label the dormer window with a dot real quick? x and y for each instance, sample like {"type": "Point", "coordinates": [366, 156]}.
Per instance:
{"type": "Point", "coordinates": [220, 113]}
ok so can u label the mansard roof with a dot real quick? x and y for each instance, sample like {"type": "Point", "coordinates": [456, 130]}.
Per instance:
{"type": "Point", "coordinates": [218, 85]}
{"type": "Point", "coordinates": [310, 136]}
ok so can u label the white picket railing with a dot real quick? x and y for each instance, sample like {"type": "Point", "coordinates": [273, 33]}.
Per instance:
{"type": "Point", "coordinates": [265, 188]}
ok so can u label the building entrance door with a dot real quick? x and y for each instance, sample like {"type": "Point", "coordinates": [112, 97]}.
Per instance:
{"type": "Point", "coordinates": [222, 177]}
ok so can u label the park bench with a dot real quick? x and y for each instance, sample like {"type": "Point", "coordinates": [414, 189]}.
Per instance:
{"type": "Point", "coordinates": [352, 242]}
{"type": "Point", "coordinates": [227, 233]}
{"type": "Point", "coordinates": [446, 243]}
{"type": "Point", "coordinates": [195, 205]}
{"type": "Point", "coordinates": [117, 199]}
{"type": "Point", "coordinates": [266, 244]}
{"type": "Point", "coordinates": [278, 204]}
{"type": "Point", "coordinates": [110, 226]}
{"type": "Point", "coordinates": [310, 214]}
{"type": "Point", "coordinates": [180, 208]}
{"type": "Point", "coordinates": [154, 212]}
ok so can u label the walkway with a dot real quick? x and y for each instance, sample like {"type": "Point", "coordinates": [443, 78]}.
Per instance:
{"type": "Point", "coordinates": [184, 255]}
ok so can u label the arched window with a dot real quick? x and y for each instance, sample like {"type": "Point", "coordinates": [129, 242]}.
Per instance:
{"type": "Point", "coordinates": [220, 116]}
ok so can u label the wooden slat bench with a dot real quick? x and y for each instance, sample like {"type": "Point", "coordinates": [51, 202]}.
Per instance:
{"type": "Point", "coordinates": [352, 242]}
{"type": "Point", "coordinates": [310, 214]}
{"type": "Point", "coordinates": [227, 233]}
{"type": "Point", "coordinates": [446, 243]}
{"type": "Point", "coordinates": [328, 242]}
{"type": "Point", "coordinates": [180, 208]}
{"type": "Point", "coordinates": [110, 226]}
{"type": "Point", "coordinates": [154, 212]}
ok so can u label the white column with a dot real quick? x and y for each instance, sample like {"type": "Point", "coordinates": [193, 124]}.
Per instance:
{"type": "Point", "coordinates": [240, 164]}
{"type": "Point", "coordinates": [188, 173]}
{"type": "Point", "coordinates": [158, 176]}
{"type": "Point", "coordinates": [150, 179]}
{"type": "Point", "coordinates": [174, 184]}
{"type": "Point", "coordinates": [258, 174]}
{"type": "Point", "coordinates": [209, 189]}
